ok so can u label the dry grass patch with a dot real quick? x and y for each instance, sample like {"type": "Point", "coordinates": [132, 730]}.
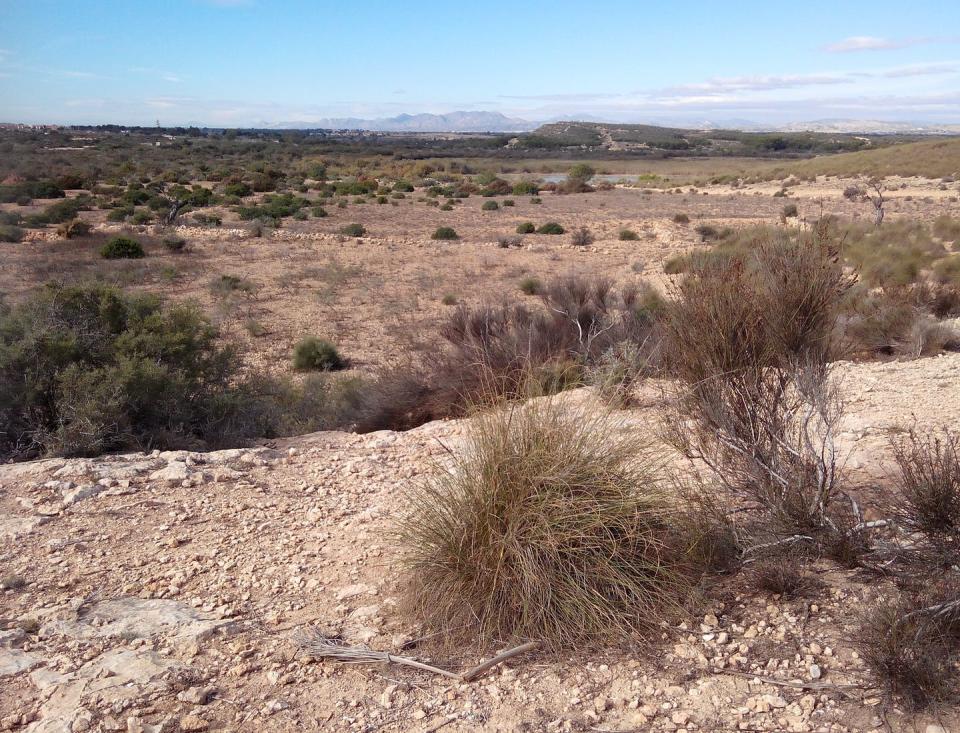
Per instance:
{"type": "Point", "coordinates": [549, 525]}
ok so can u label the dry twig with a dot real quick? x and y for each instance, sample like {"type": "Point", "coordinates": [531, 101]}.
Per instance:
{"type": "Point", "coordinates": [315, 643]}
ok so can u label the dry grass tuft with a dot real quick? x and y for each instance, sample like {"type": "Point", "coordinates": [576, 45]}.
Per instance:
{"type": "Point", "coordinates": [547, 525]}
{"type": "Point", "coordinates": [912, 646]}
{"type": "Point", "coordinates": [928, 489]}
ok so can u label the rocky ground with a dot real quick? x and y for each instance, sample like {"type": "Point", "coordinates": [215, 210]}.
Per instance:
{"type": "Point", "coordinates": [163, 591]}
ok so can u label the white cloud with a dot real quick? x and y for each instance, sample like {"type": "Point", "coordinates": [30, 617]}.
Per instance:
{"type": "Point", "coordinates": [722, 85]}
{"type": "Point", "coordinates": [864, 43]}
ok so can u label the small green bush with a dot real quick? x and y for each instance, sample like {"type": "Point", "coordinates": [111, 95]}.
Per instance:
{"type": "Point", "coordinates": [175, 244]}
{"type": "Point", "coordinates": [551, 227]}
{"type": "Point", "coordinates": [681, 219]}
{"type": "Point", "coordinates": [789, 211]}
{"type": "Point", "coordinates": [627, 235]}
{"type": "Point", "coordinates": [10, 233]}
{"type": "Point", "coordinates": [527, 227]}
{"type": "Point", "coordinates": [525, 188]}
{"type": "Point", "coordinates": [319, 212]}
{"type": "Point", "coordinates": [316, 354]}
{"type": "Point", "coordinates": [531, 286]}
{"type": "Point", "coordinates": [122, 248]}
{"type": "Point", "coordinates": [509, 202]}
{"type": "Point", "coordinates": [449, 299]}
{"type": "Point", "coordinates": [490, 206]}
{"type": "Point", "coordinates": [445, 233]}
{"type": "Point", "coordinates": [353, 230]}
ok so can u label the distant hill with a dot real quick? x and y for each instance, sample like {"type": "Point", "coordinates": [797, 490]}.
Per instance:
{"type": "Point", "coordinates": [642, 140]}
{"type": "Point", "coordinates": [936, 158]}
{"type": "Point", "coordinates": [475, 121]}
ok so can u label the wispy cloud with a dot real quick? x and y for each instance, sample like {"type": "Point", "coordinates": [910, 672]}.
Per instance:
{"type": "Point", "coordinates": [853, 44]}
{"type": "Point", "coordinates": [724, 85]}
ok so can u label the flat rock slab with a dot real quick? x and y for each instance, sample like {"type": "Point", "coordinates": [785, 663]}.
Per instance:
{"type": "Point", "coordinates": [141, 618]}
{"type": "Point", "coordinates": [115, 676]}
{"type": "Point", "coordinates": [13, 526]}
{"type": "Point", "coordinates": [15, 661]}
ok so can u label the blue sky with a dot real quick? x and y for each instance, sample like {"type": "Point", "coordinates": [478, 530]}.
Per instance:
{"type": "Point", "coordinates": [254, 62]}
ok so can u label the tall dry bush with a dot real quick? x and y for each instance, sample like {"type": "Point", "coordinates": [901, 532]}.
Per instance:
{"type": "Point", "coordinates": [750, 337]}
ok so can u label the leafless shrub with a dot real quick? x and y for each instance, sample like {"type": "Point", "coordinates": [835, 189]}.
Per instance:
{"type": "Point", "coordinates": [581, 237]}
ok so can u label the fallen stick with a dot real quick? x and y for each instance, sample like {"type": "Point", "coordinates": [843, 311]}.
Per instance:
{"type": "Point", "coordinates": [315, 643]}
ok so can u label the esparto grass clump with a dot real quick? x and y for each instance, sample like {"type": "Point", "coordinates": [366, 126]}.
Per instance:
{"type": "Point", "coordinates": [547, 526]}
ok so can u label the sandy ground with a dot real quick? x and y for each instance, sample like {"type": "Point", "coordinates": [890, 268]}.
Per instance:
{"type": "Point", "coordinates": [164, 590]}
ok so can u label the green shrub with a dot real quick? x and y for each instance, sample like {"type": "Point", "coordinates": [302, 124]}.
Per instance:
{"type": "Point", "coordinates": [527, 227]}
{"type": "Point", "coordinates": [531, 286]}
{"type": "Point", "coordinates": [446, 207]}
{"type": "Point", "coordinates": [175, 244]}
{"type": "Point", "coordinates": [316, 354]}
{"type": "Point", "coordinates": [353, 230]}
{"type": "Point", "coordinates": [627, 235]}
{"type": "Point", "coordinates": [681, 219]}
{"type": "Point", "coordinates": [141, 217]}
{"type": "Point", "coordinates": [490, 206]}
{"type": "Point", "coordinates": [120, 213]}
{"type": "Point", "coordinates": [403, 187]}
{"type": "Point", "coordinates": [319, 212]}
{"type": "Point", "coordinates": [789, 211]}
{"type": "Point", "coordinates": [525, 188]}
{"type": "Point", "coordinates": [120, 248]}
{"type": "Point", "coordinates": [238, 188]}
{"type": "Point", "coordinates": [449, 299]}
{"type": "Point", "coordinates": [445, 233]}
{"type": "Point", "coordinates": [551, 227]}
{"type": "Point", "coordinates": [536, 200]}
{"type": "Point", "coordinates": [509, 202]}
{"type": "Point", "coordinates": [89, 369]}
{"type": "Point", "coordinates": [11, 233]}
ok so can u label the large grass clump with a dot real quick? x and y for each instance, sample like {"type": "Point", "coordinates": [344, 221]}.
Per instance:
{"type": "Point", "coordinates": [548, 525]}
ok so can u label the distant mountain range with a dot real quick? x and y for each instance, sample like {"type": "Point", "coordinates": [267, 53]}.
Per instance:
{"type": "Point", "coordinates": [475, 121]}
{"type": "Point", "coordinates": [485, 121]}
